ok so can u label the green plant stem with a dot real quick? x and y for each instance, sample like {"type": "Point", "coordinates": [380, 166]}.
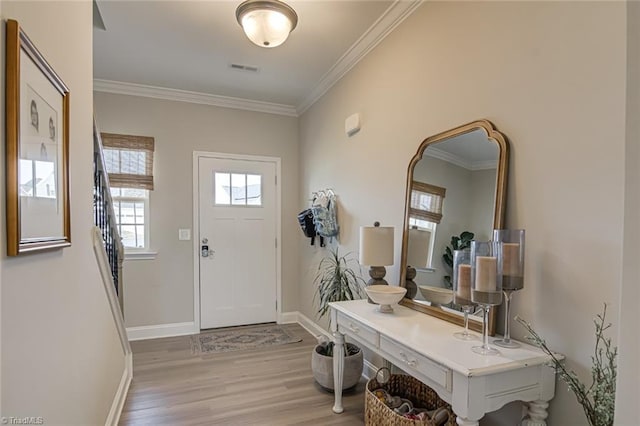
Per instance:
{"type": "Point", "coordinates": [598, 401]}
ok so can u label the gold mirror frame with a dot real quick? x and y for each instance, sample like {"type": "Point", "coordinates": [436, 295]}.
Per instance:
{"type": "Point", "coordinates": [498, 213]}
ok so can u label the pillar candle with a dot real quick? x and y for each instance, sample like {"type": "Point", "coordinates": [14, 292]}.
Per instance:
{"type": "Point", "coordinates": [485, 273]}
{"type": "Point", "coordinates": [511, 259]}
{"type": "Point", "coordinates": [464, 281]}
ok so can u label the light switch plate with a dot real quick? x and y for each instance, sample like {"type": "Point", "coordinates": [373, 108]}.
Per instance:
{"type": "Point", "coordinates": [184, 234]}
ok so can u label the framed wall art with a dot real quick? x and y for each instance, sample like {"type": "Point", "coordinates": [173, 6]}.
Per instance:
{"type": "Point", "coordinates": [37, 149]}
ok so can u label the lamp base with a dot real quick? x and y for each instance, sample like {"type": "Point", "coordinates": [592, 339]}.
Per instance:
{"type": "Point", "coordinates": [409, 284]}
{"type": "Point", "coordinates": [377, 274]}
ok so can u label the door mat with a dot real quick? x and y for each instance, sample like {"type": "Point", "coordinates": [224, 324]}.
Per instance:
{"type": "Point", "coordinates": [240, 339]}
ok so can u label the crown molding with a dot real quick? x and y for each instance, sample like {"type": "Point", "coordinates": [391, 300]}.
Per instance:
{"type": "Point", "coordinates": [484, 165]}
{"type": "Point", "coordinates": [388, 21]}
{"type": "Point", "coordinates": [133, 89]}
{"type": "Point", "coordinates": [448, 157]}
{"type": "Point", "coordinates": [459, 161]}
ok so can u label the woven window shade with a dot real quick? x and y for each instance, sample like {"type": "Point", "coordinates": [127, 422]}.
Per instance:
{"type": "Point", "coordinates": [426, 201]}
{"type": "Point", "coordinates": [129, 160]}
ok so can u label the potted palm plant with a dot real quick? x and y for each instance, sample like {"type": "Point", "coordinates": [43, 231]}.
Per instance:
{"type": "Point", "coordinates": [336, 281]}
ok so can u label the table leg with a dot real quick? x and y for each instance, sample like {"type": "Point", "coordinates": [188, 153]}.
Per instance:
{"type": "Point", "coordinates": [465, 422]}
{"type": "Point", "coordinates": [338, 371]}
{"type": "Point", "coordinates": [537, 414]}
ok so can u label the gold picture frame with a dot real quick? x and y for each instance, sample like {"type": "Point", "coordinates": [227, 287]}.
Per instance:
{"type": "Point", "coordinates": [37, 149]}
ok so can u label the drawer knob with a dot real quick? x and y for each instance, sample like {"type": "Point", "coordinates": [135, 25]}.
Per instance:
{"type": "Point", "coordinates": [354, 328]}
{"type": "Point", "coordinates": [409, 362]}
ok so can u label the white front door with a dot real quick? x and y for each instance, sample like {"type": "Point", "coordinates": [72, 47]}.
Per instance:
{"type": "Point", "coordinates": [237, 224]}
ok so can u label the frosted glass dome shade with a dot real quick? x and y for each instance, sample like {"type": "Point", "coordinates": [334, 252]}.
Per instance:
{"type": "Point", "coordinates": [266, 23]}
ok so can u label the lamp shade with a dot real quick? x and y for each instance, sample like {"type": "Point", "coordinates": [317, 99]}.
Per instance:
{"type": "Point", "coordinates": [267, 23]}
{"type": "Point", "coordinates": [418, 248]}
{"type": "Point", "coordinates": [376, 245]}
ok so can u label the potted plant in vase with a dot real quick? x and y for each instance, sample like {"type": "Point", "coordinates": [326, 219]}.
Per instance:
{"type": "Point", "coordinates": [457, 243]}
{"type": "Point", "coordinates": [336, 281]}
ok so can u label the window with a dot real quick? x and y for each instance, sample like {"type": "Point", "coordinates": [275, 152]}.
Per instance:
{"type": "Point", "coordinates": [37, 179]}
{"type": "Point", "coordinates": [425, 213]}
{"type": "Point", "coordinates": [422, 238]}
{"type": "Point", "coordinates": [426, 201]}
{"type": "Point", "coordinates": [237, 189]}
{"type": "Point", "coordinates": [131, 207]}
{"type": "Point", "coordinates": [129, 162]}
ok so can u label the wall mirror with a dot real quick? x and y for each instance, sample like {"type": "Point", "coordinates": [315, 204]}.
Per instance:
{"type": "Point", "coordinates": [456, 183]}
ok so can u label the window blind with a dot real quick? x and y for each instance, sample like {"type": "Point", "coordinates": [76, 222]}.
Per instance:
{"type": "Point", "coordinates": [426, 201]}
{"type": "Point", "coordinates": [129, 160]}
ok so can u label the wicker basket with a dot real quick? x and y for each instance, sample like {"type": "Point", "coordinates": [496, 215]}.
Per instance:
{"type": "Point", "coordinates": [376, 413]}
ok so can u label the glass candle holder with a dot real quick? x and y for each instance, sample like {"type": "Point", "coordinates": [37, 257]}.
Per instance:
{"type": "Point", "coordinates": [486, 285]}
{"type": "Point", "coordinates": [511, 242]}
{"type": "Point", "coordinates": [462, 289]}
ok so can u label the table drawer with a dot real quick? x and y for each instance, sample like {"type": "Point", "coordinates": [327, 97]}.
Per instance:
{"type": "Point", "coordinates": [412, 362]}
{"type": "Point", "coordinates": [349, 326]}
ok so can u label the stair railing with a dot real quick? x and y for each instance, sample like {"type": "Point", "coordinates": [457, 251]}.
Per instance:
{"type": "Point", "coordinates": [104, 215]}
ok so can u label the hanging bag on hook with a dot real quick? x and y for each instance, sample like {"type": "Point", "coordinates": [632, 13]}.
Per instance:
{"type": "Point", "coordinates": [324, 216]}
{"type": "Point", "coordinates": [305, 218]}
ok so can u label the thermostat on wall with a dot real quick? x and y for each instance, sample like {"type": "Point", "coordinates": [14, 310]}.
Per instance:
{"type": "Point", "coordinates": [352, 124]}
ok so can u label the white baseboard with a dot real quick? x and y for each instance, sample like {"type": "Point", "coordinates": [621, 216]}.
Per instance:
{"type": "Point", "coordinates": [369, 371]}
{"type": "Point", "coordinates": [121, 394]}
{"type": "Point", "coordinates": [161, 330]}
{"type": "Point", "coordinates": [313, 328]}
{"type": "Point", "coordinates": [288, 317]}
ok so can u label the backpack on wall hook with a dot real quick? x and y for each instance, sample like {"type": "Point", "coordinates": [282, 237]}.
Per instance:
{"type": "Point", "coordinates": [324, 214]}
{"type": "Point", "coordinates": [305, 218]}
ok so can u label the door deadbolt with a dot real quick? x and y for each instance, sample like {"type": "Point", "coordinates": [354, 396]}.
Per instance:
{"type": "Point", "coordinates": [204, 248]}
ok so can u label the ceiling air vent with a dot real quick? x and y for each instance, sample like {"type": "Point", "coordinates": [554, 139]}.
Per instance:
{"type": "Point", "coordinates": [244, 67]}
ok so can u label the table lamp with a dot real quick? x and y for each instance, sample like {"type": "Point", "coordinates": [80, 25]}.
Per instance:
{"type": "Point", "coordinates": [376, 250]}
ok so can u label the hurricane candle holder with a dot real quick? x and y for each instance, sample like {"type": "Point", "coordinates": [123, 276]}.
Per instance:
{"type": "Point", "coordinates": [512, 244]}
{"type": "Point", "coordinates": [462, 289]}
{"type": "Point", "coordinates": [486, 285]}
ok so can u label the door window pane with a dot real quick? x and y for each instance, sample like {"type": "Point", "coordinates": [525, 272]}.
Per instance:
{"type": "Point", "coordinates": [237, 189]}
{"type": "Point", "coordinates": [222, 188]}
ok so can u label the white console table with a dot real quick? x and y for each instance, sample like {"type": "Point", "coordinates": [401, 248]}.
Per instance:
{"type": "Point", "coordinates": [424, 347]}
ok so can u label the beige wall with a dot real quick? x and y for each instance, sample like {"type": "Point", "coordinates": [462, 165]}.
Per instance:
{"type": "Point", "coordinates": [160, 291]}
{"type": "Point", "coordinates": [551, 76]}
{"type": "Point", "coordinates": [61, 355]}
{"type": "Point", "coordinates": [628, 387]}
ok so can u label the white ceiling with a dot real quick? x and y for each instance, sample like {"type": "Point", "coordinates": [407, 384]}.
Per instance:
{"type": "Point", "coordinates": [473, 151]}
{"type": "Point", "coordinates": [189, 45]}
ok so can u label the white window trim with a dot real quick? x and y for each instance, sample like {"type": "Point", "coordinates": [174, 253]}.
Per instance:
{"type": "Point", "coordinates": [140, 255]}
{"type": "Point", "coordinates": [433, 229]}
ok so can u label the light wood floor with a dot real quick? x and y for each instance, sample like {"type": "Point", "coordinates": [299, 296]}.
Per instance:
{"type": "Point", "coordinates": [272, 386]}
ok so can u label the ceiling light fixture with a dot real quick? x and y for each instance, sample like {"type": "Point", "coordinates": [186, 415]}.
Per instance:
{"type": "Point", "coordinates": [266, 23]}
